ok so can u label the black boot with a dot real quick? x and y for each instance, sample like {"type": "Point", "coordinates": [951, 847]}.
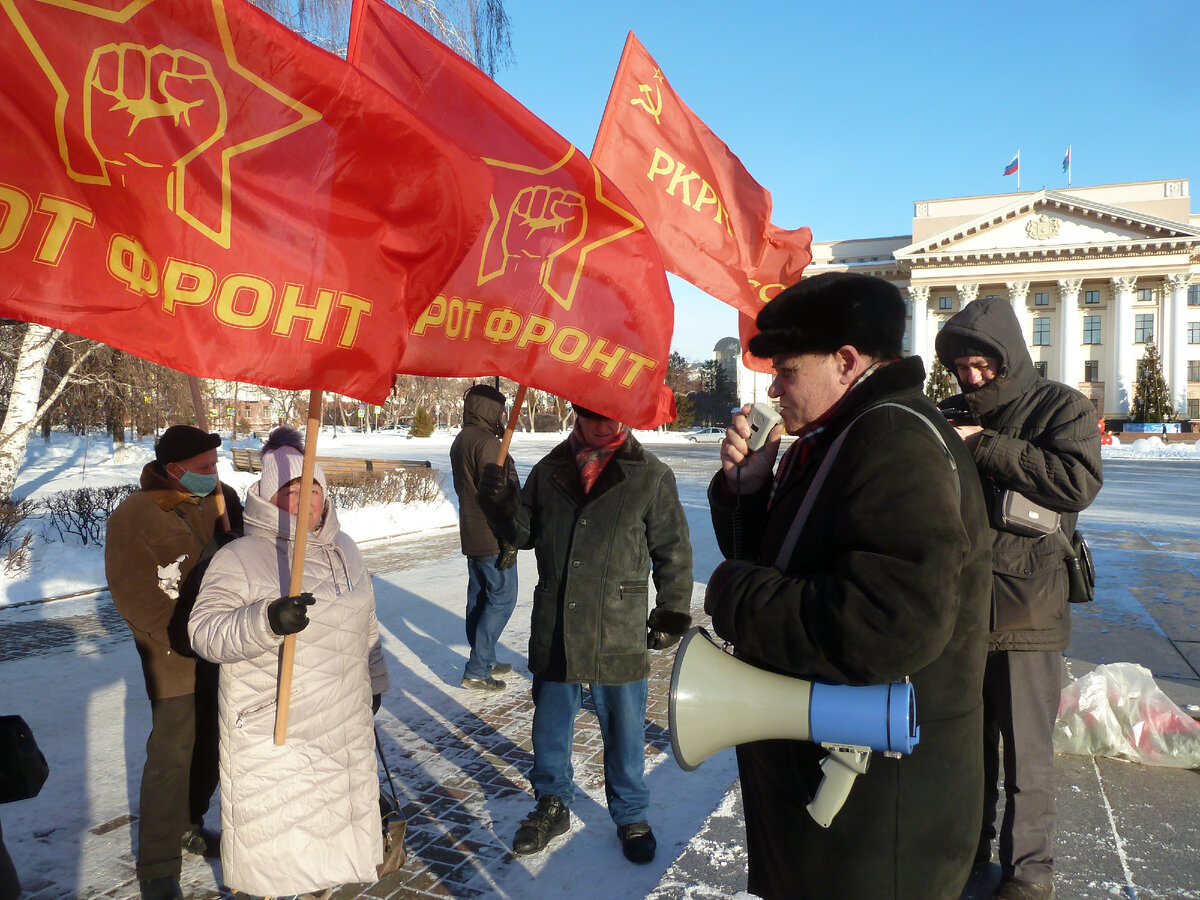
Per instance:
{"type": "Point", "coordinates": [637, 841]}
{"type": "Point", "coordinates": [549, 820]}
{"type": "Point", "coordinates": [165, 887]}
{"type": "Point", "coordinates": [201, 842]}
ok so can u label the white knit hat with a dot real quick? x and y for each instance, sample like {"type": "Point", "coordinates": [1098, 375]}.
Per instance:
{"type": "Point", "coordinates": [283, 460]}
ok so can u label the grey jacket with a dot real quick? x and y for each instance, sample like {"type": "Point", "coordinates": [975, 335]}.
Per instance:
{"type": "Point", "coordinates": [595, 553]}
{"type": "Point", "coordinates": [475, 446]}
{"type": "Point", "coordinates": [305, 815]}
{"type": "Point", "coordinates": [1040, 439]}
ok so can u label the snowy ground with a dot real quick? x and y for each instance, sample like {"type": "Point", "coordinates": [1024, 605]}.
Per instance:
{"type": "Point", "coordinates": [90, 714]}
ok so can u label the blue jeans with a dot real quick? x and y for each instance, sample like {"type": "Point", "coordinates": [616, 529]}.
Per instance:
{"type": "Point", "coordinates": [621, 709]}
{"type": "Point", "coordinates": [491, 597]}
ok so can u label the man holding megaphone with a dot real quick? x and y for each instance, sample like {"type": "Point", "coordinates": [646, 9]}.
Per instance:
{"type": "Point", "coordinates": [862, 559]}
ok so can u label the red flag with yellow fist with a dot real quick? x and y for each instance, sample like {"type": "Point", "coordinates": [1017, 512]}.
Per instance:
{"type": "Point", "coordinates": [564, 289]}
{"type": "Point", "coordinates": [193, 183]}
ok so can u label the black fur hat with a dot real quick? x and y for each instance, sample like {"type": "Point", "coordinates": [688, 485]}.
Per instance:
{"type": "Point", "coordinates": [827, 311]}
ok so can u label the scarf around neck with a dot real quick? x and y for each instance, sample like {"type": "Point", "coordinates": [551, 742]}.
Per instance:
{"type": "Point", "coordinates": [591, 460]}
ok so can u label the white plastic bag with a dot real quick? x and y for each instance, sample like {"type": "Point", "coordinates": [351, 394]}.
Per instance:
{"type": "Point", "coordinates": [1117, 710]}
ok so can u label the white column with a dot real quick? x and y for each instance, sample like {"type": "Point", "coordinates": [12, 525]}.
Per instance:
{"type": "Point", "coordinates": [920, 342]}
{"type": "Point", "coordinates": [1070, 337]}
{"type": "Point", "coordinates": [1125, 355]}
{"type": "Point", "coordinates": [1174, 341]}
{"type": "Point", "coordinates": [966, 293]}
{"type": "Point", "coordinates": [1018, 293]}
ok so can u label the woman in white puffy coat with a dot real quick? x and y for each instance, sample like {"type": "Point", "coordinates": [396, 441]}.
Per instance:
{"type": "Point", "coordinates": [304, 816]}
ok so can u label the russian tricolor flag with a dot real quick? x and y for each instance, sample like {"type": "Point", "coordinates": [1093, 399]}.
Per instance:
{"type": "Point", "coordinates": [1014, 165]}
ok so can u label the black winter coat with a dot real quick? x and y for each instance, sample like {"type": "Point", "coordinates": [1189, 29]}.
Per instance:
{"type": "Point", "coordinates": [475, 446]}
{"type": "Point", "coordinates": [595, 553]}
{"type": "Point", "coordinates": [1041, 440]}
{"type": "Point", "coordinates": [890, 578]}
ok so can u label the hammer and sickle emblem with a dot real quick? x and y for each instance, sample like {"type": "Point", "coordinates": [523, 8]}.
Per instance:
{"type": "Point", "coordinates": [653, 107]}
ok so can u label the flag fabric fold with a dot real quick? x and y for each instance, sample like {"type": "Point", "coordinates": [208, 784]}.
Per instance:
{"type": "Point", "coordinates": [1014, 164]}
{"type": "Point", "coordinates": [564, 289]}
{"type": "Point", "coordinates": [711, 219]}
{"type": "Point", "coordinates": [197, 185]}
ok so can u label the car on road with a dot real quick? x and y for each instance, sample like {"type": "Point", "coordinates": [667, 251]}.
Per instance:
{"type": "Point", "coordinates": [710, 435]}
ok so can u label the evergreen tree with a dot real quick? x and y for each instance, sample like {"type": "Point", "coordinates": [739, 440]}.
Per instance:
{"type": "Point", "coordinates": [941, 383]}
{"type": "Point", "coordinates": [422, 425]}
{"type": "Point", "coordinates": [1151, 399]}
{"type": "Point", "coordinates": [685, 413]}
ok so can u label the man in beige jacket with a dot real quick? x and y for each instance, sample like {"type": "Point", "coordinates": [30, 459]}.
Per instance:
{"type": "Point", "coordinates": [158, 541]}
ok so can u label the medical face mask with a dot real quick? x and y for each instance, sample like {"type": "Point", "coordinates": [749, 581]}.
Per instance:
{"type": "Point", "coordinates": [200, 485]}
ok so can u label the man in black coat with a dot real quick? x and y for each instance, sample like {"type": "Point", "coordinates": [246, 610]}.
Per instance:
{"type": "Point", "coordinates": [491, 573]}
{"type": "Point", "coordinates": [601, 513]}
{"type": "Point", "coordinates": [888, 577]}
{"type": "Point", "coordinates": [1038, 438]}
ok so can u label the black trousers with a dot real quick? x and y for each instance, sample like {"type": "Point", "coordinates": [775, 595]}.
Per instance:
{"type": "Point", "coordinates": [180, 774]}
{"type": "Point", "coordinates": [1020, 702]}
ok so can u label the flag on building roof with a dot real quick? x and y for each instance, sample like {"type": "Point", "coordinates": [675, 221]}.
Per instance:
{"type": "Point", "coordinates": [1067, 160]}
{"type": "Point", "coordinates": [1014, 165]}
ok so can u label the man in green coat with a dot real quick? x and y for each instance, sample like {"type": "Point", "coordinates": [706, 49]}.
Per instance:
{"type": "Point", "coordinates": [601, 513]}
{"type": "Point", "coordinates": [889, 576]}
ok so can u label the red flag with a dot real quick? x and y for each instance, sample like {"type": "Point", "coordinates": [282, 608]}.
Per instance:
{"type": "Point", "coordinates": [564, 289]}
{"type": "Point", "coordinates": [711, 219]}
{"type": "Point", "coordinates": [195, 184]}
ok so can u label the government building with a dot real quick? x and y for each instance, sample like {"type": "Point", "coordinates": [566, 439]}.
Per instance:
{"type": "Point", "coordinates": [1093, 273]}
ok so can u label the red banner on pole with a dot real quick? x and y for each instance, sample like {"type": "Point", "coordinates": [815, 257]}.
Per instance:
{"type": "Point", "coordinates": [193, 183]}
{"type": "Point", "coordinates": [564, 289]}
{"type": "Point", "coordinates": [711, 219]}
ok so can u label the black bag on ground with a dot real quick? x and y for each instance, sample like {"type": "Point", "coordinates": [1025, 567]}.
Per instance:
{"type": "Point", "coordinates": [23, 768]}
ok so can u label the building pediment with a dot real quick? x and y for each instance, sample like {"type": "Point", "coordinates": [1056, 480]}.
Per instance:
{"type": "Point", "coordinates": [1051, 224]}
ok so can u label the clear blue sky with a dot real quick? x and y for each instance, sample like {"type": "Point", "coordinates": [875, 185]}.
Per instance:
{"type": "Point", "coordinates": [849, 111]}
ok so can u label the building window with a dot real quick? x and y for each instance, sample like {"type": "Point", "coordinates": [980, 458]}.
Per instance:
{"type": "Point", "coordinates": [945, 303]}
{"type": "Point", "coordinates": [1041, 299]}
{"type": "Point", "coordinates": [1145, 295]}
{"type": "Point", "coordinates": [1041, 331]}
{"type": "Point", "coordinates": [1194, 332]}
{"type": "Point", "coordinates": [1194, 370]}
{"type": "Point", "coordinates": [942, 324]}
{"type": "Point", "coordinates": [1194, 408]}
{"type": "Point", "coordinates": [1091, 370]}
{"type": "Point", "coordinates": [1143, 328]}
{"type": "Point", "coordinates": [1040, 368]}
{"type": "Point", "coordinates": [907, 344]}
{"type": "Point", "coordinates": [1091, 329]}
{"type": "Point", "coordinates": [992, 297]}
{"type": "Point", "coordinates": [1194, 295]}
{"type": "Point", "coordinates": [1091, 298]}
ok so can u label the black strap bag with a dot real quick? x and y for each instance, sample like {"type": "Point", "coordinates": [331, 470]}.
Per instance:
{"type": "Point", "coordinates": [23, 768]}
{"type": "Point", "coordinates": [1081, 573]}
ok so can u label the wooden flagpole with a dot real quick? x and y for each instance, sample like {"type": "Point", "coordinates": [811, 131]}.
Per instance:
{"type": "Point", "coordinates": [512, 424]}
{"type": "Point", "coordinates": [287, 653]}
{"type": "Point", "coordinates": [202, 424]}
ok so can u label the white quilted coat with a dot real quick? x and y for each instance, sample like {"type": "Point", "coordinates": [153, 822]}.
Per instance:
{"type": "Point", "coordinates": [303, 816]}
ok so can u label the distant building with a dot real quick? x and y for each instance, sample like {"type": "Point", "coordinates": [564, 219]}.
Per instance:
{"type": "Point", "coordinates": [1093, 274]}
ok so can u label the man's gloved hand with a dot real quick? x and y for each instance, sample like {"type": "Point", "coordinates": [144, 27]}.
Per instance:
{"type": "Point", "coordinates": [288, 615]}
{"type": "Point", "coordinates": [507, 557]}
{"type": "Point", "coordinates": [666, 627]}
{"type": "Point", "coordinates": [376, 702]}
{"type": "Point", "coordinates": [497, 495]}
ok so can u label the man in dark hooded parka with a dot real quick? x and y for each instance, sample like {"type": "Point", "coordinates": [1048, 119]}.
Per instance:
{"type": "Point", "coordinates": [890, 577]}
{"type": "Point", "coordinates": [1039, 438]}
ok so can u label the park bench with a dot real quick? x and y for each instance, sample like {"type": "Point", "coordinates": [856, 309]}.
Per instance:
{"type": "Point", "coordinates": [246, 459]}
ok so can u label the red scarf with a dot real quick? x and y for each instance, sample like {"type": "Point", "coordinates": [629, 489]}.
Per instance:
{"type": "Point", "coordinates": [592, 460]}
{"type": "Point", "coordinates": [807, 437]}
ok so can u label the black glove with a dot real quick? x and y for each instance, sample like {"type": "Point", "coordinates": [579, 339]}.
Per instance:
{"type": "Point", "coordinates": [666, 627]}
{"type": "Point", "coordinates": [497, 495]}
{"type": "Point", "coordinates": [376, 702]}
{"type": "Point", "coordinates": [507, 557]}
{"type": "Point", "coordinates": [288, 615]}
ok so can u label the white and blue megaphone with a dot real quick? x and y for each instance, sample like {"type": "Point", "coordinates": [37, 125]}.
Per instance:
{"type": "Point", "coordinates": [718, 701]}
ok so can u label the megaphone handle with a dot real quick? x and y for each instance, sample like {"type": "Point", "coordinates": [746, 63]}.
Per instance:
{"type": "Point", "coordinates": [838, 771]}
